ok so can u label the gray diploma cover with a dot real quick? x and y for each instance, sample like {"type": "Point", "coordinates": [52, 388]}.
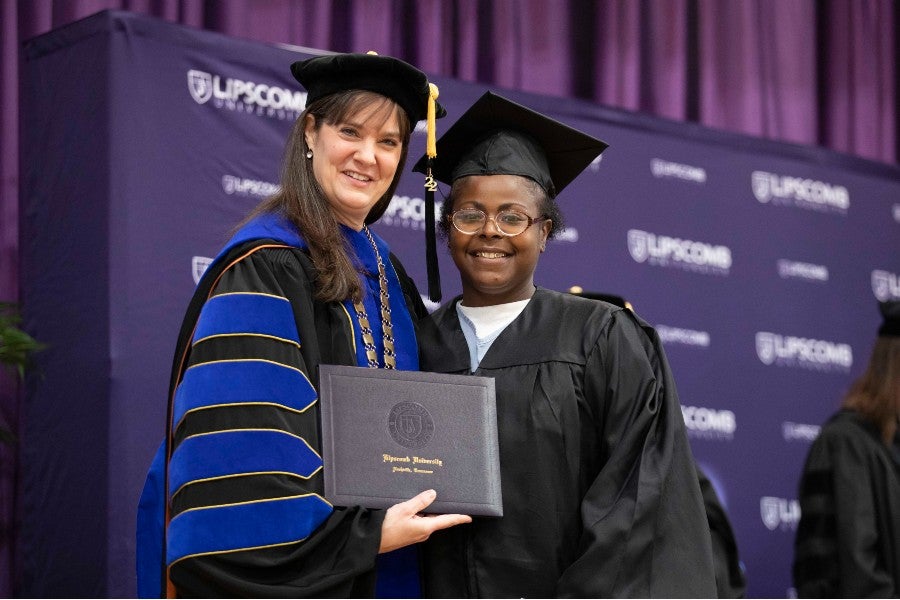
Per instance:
{"type": "Point", "coordinates": [388, 435]}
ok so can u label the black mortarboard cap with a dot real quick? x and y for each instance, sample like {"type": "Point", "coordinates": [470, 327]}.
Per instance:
{"type": "Point", "coordinates": [890, 312]}
{"type": "Point", "coordinates": [400, 81]}
{"type": "Point", "coordinates": [497, 136]}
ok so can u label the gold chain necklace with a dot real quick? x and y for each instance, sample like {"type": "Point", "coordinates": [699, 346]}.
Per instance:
{"type": "Point", "coordinates": [387, 329]}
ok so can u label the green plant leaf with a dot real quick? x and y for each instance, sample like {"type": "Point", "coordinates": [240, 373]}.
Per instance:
{"type": "Point", "coordinates": [16, 346]}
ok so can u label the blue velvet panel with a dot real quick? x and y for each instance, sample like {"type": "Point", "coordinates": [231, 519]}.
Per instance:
{"type": "Point", "coordinates": [243, 451]}
{"type": "Point", "coordinates": [244, 526]}
{"type": "Point", "coordinates": [216, 383]}
{"type": "Point", "coordinates": [247, 313]}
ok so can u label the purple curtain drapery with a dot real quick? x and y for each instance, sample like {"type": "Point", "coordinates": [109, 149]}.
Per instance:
{"type": "Point", "coordinates": [802, 71]}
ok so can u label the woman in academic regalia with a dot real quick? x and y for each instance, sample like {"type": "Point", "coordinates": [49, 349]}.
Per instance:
{"type": "Point", "coordinates": [303, 282]}
{"type": "Point", "coordinates": [848, 538]}
{"type": "Point", "coordinates": [600, 494]}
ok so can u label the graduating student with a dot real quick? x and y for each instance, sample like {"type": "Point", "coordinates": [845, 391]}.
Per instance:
{"type": "Point", "coordinates": [848, 538]}
{"type": "Point", "coordinates": [600, 494]}
{"type": "Point", "coordinates": [303, 282]}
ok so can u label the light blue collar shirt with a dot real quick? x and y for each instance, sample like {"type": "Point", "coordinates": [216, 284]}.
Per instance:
{"type": "Point", "coordinates": [483, 324]}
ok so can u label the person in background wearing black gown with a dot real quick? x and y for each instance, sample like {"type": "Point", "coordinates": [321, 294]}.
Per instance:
{"type": "Point", "coordinates": [848, 538]}
{"type": "Point", "coordinates": [600, 493]}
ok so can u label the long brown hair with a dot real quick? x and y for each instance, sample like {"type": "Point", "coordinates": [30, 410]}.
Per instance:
{"type": "Point", "coordinates": [876, 394]}
{"type": "Point", "coordinates": [303, 202]}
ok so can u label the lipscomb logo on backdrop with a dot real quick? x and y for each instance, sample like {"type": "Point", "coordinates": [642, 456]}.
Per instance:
{"type": "Point", "coordinates": [709, 423]}
{"type": "Point", "coordinates": [792, 351]}
{"type": "Point", "coordinates": [242, 186]}
{"type": "Point", "coordinates": [408, 212]}
{"type": "Point", "coordinates": [679, 335]}
{"type": "Point", "coordinates": [233, 94]}
{"type": "Point", "coordinates": [896, 212]}
{"type": "Point", "coordinates": [666, 251]}
{"type": "Point", "coordinates": [785, 190]}
{"type": "Point", "coordinates": [664, 168]}
{"type": "Point", "coordinates": [885, 285]}
{"type": "Point", "coordinates": [566, 234]}
{"type": "Point", "coordinates": [799, 431]}
{"type": "Point", "coordinates": [779, 513]}
{"type": "Point", "coordinates": [792, 269]}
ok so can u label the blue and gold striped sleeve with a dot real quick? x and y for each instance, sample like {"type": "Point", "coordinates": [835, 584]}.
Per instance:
{"type": "Point", "coordinates": [245, 471]}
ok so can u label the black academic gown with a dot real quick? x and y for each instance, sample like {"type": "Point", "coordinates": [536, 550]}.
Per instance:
{"type": "Point", "coordinates": [848, 539]}
{"type": "Point", "coordinates": [248, 406]}
{"type": "Point", "coordinates": [600, 493]}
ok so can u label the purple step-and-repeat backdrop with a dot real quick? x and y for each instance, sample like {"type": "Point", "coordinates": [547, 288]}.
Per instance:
{"type": "Point", "coordinates": [144, 142]}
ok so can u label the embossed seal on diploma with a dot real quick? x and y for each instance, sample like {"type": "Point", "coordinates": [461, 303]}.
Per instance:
{"type": "Point", "coordinates": [410, 424]}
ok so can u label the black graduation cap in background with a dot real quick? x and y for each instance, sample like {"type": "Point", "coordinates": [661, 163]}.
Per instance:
{"type": "Point", "coordinates": [615, 299]}
{"type": "Point", "coordinates": [497, 136]}
{"type": "Point", "coordinates": [890, 313]}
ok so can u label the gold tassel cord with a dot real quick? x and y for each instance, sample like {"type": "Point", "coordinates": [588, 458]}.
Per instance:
{"type": "Point", "coordinates": [431, 138]}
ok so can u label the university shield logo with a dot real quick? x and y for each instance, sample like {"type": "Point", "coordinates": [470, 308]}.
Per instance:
{"type": "Point", "coordinates": [885, 286]}
{"type": "Point", "coordinates": [881, 285]}
{"type": "Point", "coordinates": [410, 424]}
{"type": "Point", "coordinates": [760, 182]}
{"type": "Point", "coordinates": [765, 347]}
{"type": "Point", "coordinates": [199, 265]}
{"type": "Point", "coordinates": [637, 245]}
{"type": "Point", "coordinates": [769, 508]}
{"type": "Point", "coordinates": [200, 86]}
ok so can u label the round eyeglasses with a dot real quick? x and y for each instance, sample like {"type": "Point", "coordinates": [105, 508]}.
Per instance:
{"type": "Point", "coordinates": [508, 222]}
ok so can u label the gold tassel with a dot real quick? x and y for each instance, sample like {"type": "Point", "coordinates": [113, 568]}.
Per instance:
{"type": "Point", "coordinates": [431, 138]}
